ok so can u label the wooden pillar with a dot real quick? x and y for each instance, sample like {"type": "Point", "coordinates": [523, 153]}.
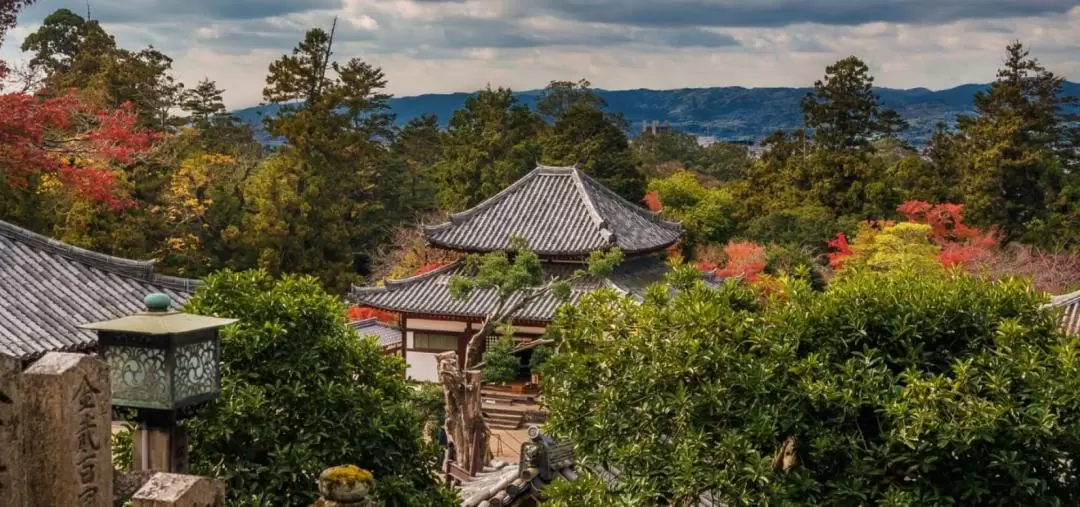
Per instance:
{"type": "Point", "coordinates": [67, 460]}
{"type": "Point", "coordinates": [160, 448]}
{"type": "Point", "coordinates": [177, 490]}
{"type": "Point", "coordinates": [11, 481]}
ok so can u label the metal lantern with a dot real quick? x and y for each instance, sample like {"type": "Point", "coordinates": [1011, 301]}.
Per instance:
{"type": "Point", "coordinates": [161, 360]}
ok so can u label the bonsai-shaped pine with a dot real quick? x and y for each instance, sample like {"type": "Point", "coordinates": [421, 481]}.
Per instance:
{"type": "Point", "coordinates": [513, 279]}
{"type": "Point", "coordinates": [500, 363]}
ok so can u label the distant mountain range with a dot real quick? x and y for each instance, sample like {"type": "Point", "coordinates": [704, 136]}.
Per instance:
{"type": "Point", "coordinates": [728, 113]}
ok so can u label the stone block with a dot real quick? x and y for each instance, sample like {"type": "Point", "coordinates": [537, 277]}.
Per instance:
{"type": "Point", "coordinates": [67, 460]}
{"type": "Point", "coordinates": [176, 490]}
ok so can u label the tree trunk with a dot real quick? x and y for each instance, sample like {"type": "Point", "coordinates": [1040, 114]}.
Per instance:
{"type": "Point", "coordinates": [464, 420]}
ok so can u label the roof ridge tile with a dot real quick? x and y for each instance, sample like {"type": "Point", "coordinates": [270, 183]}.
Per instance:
{"type": "Point", "coordinates": [141, 270]}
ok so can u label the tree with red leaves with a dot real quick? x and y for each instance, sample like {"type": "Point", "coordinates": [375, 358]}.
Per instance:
{"type": "Point", "coordinates": [64, 138]}
{"type": "Point", "coordinates": [356, 313]}
{"type": "Point", "coordinates": [744, 259]}
{"type": "Point", "coordinates": [956, 243]}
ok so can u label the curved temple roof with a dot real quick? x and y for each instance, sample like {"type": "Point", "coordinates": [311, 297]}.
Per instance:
{"type": "Point", "coordinates": [429, 293]}
{"type": "Point", "coordinates": [47, 288]}
{"type": "Point", "coordinates": [561, 211]}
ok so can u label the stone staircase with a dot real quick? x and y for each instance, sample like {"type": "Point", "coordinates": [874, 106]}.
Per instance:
{"type": "Point", "coordinates": [508, 411]}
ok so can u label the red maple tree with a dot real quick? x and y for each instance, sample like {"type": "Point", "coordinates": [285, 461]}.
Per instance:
{"type": "Point", "coordinates": [745, 259]}
{"type": "Point", "coordinates": [427, 268]}
{"type": "Point", "coordinates": [64, 136]}
{"type": "Point", "coordinates": [356, 313]}
{"type": "Point", "coordinates": [652, 201]}
{"type": "Point", "coordinates": [71, 140]}
{"type": "Point", "coordinates": [841, 251]}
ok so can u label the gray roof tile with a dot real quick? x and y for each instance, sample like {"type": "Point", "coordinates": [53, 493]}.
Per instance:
{"type": "Point", "coordinates": [429, 293]}
{"type": "Point", "coordinates": [388, 336]}
{"type": "Point", "coordinates": [1070, 308]}
{"type": "Point", "coordinates": [561, 211]}
{"type": "Point", "coordinates": [48, 287]}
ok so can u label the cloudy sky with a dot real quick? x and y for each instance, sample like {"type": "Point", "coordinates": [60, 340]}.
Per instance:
{"type": "Point", "coordinates": [461, 45]}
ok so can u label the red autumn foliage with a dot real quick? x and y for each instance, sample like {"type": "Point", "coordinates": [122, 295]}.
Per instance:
{"type": "Point", "coordinates": [356, 313]}
{"type": "Point", "coordinates": [960, 244]}
{"type": "Point", "coordinates": [427, 268]}
{"type": "Point", "coordinates": [745, 259]}
{"type": "Point", "coordinates": [652, 200]}
{"type": "Point", "coordinates": [45, 135]}
{"type": "Point", "coordinates": [842, 251]}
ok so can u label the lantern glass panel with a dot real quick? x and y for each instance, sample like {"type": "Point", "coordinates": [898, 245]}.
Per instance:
{"type": "Point", "coordinates": [196, 372]}
{"type": "Point", "coordinates": [139, 376]}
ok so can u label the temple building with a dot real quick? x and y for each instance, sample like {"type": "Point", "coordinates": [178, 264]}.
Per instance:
{"type": "Point", "coordinates": [564, 215]}
{"type": "Point", "coordinates": [47, 288]}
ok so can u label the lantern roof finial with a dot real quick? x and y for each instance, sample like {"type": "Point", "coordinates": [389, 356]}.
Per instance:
{"type": "Point", "coordinates": [157, 302]}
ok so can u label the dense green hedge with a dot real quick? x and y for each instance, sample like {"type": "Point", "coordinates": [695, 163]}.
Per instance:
{"type": "Point", "coordinates": [901, 390]}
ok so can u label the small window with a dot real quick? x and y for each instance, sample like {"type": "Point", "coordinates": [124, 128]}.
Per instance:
{"type": "Point", "coordinates": [427, 341]}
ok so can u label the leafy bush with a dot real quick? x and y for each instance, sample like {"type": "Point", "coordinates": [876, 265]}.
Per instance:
{"type": "Point", "coordinates": [896, 388]}
{"type": "Point", "coordinates": [500, 363]}
{"type": "Point", "coordinates": [540, 355]}
{"type": "Point", "coordinates": [428, 400]}
{"type": "Point", "coordinates": [301, 394]}
{"type": "Point", "coordinates": [808, 226]}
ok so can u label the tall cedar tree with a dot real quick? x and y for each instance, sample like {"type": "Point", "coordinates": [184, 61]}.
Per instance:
{"type": "Point", "coordinates": [843, 110]}
{"type": "Point", "coordinates": [73, 52]}
{"type": "Point", "coordinates": [489, 143]}
{"type": "Point", "coordinates": [583, 134]}
{"type": "Point", "coordinates": [1012, 151]}
{"type": "Point", "coordinates": [316, 203]}
{"type": "Point", "coordinates": [417, 148]}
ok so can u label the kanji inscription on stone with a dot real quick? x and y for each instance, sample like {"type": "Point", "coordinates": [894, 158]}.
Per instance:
{"type": "Point", "coordinates": [66, 401]}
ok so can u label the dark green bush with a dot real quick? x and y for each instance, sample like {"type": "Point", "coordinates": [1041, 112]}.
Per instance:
{"type": "Point", "coordinates": [900, 390]}
{"type": "Point", "coordinates": [301, 393]}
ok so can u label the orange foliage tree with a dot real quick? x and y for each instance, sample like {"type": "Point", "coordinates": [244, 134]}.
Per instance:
{"type": "Point", "coordinates": [356, 313]}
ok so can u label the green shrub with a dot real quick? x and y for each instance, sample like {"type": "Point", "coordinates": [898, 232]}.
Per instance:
{"type": "Point", "coordinates": [301, 394]}
{"type": "Point", "coordinates": [500, 363]}
{"type": "Point", "coordinates": [900, 388]}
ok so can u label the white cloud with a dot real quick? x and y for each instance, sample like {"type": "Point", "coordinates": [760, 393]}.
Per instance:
{"type": "Point", "coordinates": [442, 46]}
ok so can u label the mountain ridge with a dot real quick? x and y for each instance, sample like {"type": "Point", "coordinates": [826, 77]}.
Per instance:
{"type": "Point", "coordinates": [726, 112]}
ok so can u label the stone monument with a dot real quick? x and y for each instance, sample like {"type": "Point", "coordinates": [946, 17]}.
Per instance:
{"type": "Point", "coordinates": [67, 461]}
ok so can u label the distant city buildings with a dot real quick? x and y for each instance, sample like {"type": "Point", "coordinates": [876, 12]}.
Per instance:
{"type": "Point", "coordinates": [655, 127]}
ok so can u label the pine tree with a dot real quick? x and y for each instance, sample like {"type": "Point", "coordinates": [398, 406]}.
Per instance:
{"type": "Point", "coordinates": [316, 204]}
{"type": "Point", "coordinates": [1011, 152]}
{"type": "Point", "coordinates": [843, 110]}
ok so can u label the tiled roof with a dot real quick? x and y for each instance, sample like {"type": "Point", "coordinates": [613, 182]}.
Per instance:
{"type": "Point", "coordinates": [561, 211]}
{"type": "Point", "coordinates": [1070, 306]}
{"type": "Point", "coordinates": [429, 293]}
{"type": "Point", "coordinates": [48, 287]}
{"type": "Point", "coordinates": [389, 337]}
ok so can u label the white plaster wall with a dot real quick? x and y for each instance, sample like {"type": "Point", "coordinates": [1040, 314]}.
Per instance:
{"type": "Point", "coordinates": [529, 329]}
{"type": "Point", "coordinates": [422, 366]}
{"type": "Point", "coordinates": [436, 325]}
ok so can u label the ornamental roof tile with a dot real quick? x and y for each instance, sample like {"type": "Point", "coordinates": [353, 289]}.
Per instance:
{"type": "Point", "coordinates": [47, 288]}
{"type": "Point", "coordinates": [560, 211]}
